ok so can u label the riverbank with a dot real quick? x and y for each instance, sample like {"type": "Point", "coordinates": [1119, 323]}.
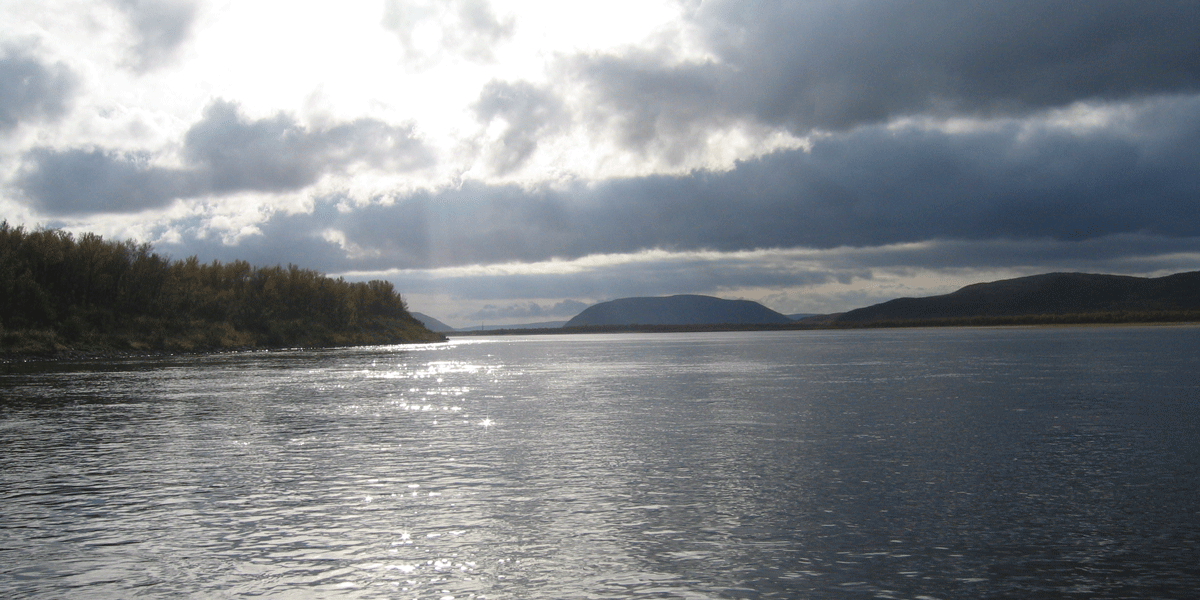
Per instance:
{"type": "Point", "coordinates": [150, 337]}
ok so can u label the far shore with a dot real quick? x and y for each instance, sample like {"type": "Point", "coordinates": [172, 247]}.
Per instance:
{"type": "Point", "coordinates": [978, 322]}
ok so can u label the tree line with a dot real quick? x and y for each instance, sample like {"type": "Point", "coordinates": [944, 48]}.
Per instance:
{"type": "Point", "coordinates": [59, 291]}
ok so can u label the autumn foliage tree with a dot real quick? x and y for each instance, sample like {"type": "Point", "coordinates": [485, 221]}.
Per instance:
{"type": "Point", "coordinates": [60, 291]}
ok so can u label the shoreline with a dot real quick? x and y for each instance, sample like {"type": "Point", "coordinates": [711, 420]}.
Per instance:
{"type": "Point", "coordinates": [78, 355]}
{"type": "Point", "coordinates": [81, 355]}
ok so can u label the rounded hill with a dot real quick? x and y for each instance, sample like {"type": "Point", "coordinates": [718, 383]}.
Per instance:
{"type": "Point", "coordinates": [676, 310]}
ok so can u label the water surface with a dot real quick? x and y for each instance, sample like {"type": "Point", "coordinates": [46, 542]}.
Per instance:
{"type": "Point", "coordinates": [940, 463]}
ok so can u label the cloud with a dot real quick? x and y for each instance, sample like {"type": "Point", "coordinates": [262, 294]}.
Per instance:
{"type": "Point", "coordinates": [160, 27]}
{"type": "Point", "coordinates": [819, 279]}
{"type": "Point", "coordinates": [223, 153]}
{"type": "Point", "coordinates": [279, 154]}
{"type": "Point", "coordinates": [834, 65]}
{"type": "Point", "coordinates": [31, 90]}
{"type": "Point", "coordinates": [874, 186]}
{"type": "Point", "coordinates": [732, 147]}
{"type": "Point", "coordinates": [428, 29]}
{"type": "Point", "coordinates": [528, 310]}
{"type": "Point", "coordinates": [505, 291]}
{"type": "Point", "coordinates": [662, 109]}
{"type": "Point", "coordinates": [94, 180]}
{"type": "Point", "coordinates": [527, 113]}
{"type": "Point", "coordinates": [790, 280]}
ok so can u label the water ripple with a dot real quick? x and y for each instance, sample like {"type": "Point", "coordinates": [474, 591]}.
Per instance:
{"type": "Point", "coordinates": [937, 464]}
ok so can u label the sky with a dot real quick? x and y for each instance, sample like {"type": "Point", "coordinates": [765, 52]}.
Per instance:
{"type": "Point", "coordinates": [514, 161]}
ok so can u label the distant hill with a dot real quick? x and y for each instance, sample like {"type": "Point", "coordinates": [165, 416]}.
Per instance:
{"type": "Point", "coordinates": [538, 325]}
{"type": "Point", "coordinates": [1049, 294]}
{"type": "Point", "coordinates": [431, 323]}
{"type": "Point", "coordinates": [675, 310]}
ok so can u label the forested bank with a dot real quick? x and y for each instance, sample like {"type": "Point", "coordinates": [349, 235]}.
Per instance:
{"type": "Point", "coordinates": [62, 293]}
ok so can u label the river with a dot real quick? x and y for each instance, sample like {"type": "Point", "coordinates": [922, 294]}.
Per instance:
{"type": "Point", "coordinates": [917, 463]}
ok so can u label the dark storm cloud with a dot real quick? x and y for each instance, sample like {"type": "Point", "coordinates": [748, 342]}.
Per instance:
{"type": "Point", "coordinates": [81, 181]}
{"type": "Point", "coordinates": [830, 64]}
{"type": "Point", "coordinates": [31, 90]}
{"type": "Point", "coordinates": [296, 238]}
{"type": "Point", "coordinates": [1129, 253]}
{"type": "Point", "coordinates": [876, 185]}
{"type": "Point", "coordinates": [407, 238]}
{"type": "Point", "coordinates": [285, 239]}
{"type": "Point", "coordinates": [223, 153]}
{"type": "Point", "coordinates": [665, 109]}
{"type": "Point", "coordinates": [873, 186]}
{"type": "Point", "coordinates": [527, 111]}
{"type": "Point", "coordinates": [279, 154]}
{"type": "Point", "coordinates": [731, 275]}
{"type": "Point", "coordinates": [160, 27]}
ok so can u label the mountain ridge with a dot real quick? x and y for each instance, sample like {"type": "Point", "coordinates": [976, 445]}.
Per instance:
{"type": "Point", "coordinates": [1046, 294]}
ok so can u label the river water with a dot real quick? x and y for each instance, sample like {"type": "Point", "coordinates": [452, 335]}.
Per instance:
{"type": "Point", "coordinates": [923, 463]}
